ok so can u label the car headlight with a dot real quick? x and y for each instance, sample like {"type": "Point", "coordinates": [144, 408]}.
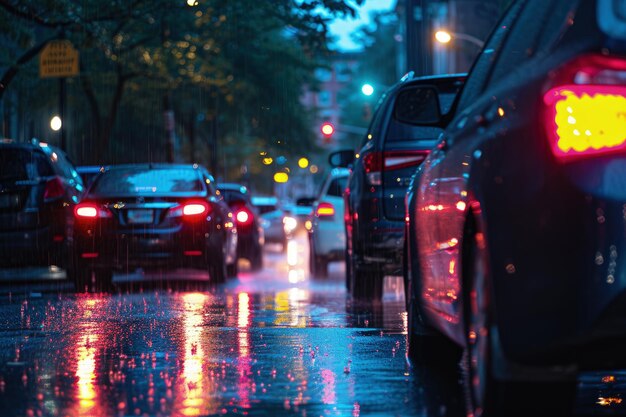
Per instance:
{"type": "Point", "coordinates": [289, 224]}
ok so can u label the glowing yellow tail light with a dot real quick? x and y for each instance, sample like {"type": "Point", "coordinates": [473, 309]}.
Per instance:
{"type": "Point", "coordinates": [586, 119]}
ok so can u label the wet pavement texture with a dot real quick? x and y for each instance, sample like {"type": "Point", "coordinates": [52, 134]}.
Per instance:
{"type": "Point", "coordinates": [270, 343]}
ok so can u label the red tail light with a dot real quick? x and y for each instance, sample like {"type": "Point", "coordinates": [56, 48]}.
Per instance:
{"type": "Point", "coordinates": [325, 209]}
{"type": "Point", "coordinates": [586, 108]}
{"type": "Point", "coordinates": [54, 189]}
{"type": "Point", "coordinates": [190, 210]}
{"type": "Point", "coordinates": [90, 211]}
{"type": "Point", "coordinates": [375, 162]}
{"type": "Point", "coordinates": [195, 209]}
{"type": "Point", "coordinates": [244, 216]}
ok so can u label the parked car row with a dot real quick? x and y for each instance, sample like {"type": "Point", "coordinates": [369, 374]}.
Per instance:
{"type": "Point", "coordinates": [164, 216]}
{"type": "Point", "coordinates": [513, 232]}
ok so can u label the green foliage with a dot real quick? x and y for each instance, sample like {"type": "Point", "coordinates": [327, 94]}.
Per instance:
{"type": "Point", "coordinates": [377, 67]}
{"type": "Point", "coordinates": [234, 70]}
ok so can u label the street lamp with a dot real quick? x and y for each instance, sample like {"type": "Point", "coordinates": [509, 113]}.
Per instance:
{"type": "Point", "coordinates": [56, 123]}
{"type": "Point", "coordinates": [444, 37]}
{"type": "Point", "coordinates": [367, 89]}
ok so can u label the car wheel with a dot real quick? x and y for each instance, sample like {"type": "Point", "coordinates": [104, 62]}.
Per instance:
{"type": "Point", "coordinates": [81, 277]}
{"type": "Point", "coordinates": [232, 270]}
{"type": "Point", "coordinates": [348, 263]}
{"type": "Point", "coordinates": [103, 280]}
{"type": "Point", "coordinates": [367, 282]}
{"type": "Point", "coordinates": [256, 259]}
{"type": "Point", "coordinates": [485, 395]}
{"type": "Point", "coordinates": [217, 267]}
{"type": "Point", "coordinates": [318, 265]}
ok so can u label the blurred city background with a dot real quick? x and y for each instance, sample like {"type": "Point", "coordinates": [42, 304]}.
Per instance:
{"type": "Point", "coordinates": [260, 95]}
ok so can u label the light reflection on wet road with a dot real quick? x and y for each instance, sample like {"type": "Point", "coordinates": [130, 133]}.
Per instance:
{"type": "Point", "coordinates": [266, 344]}
{"type": "Point", "coordinates": [269, 343]}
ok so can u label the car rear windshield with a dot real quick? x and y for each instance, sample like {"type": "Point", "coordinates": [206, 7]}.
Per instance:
{"type": "Point", "coordinates": [23, 164]}
{"type": "Point", "coordinates": [400, 132]}
{"type": "Point", "coordinates": [147, 182]}
{"type": "Point", "coordinates": [233, 196]}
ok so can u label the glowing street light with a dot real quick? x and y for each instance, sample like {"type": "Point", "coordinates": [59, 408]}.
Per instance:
{"type": "Point", "coordinates": [442, 36]}
{"type": "Point", "coordinates": [367, 89]}
{"type": "Point", "coordinates": [445, 37]}
{"type": "Point", "coordinates": [56, 123]}
{"type": "Point", "coordinates": [303, 162]}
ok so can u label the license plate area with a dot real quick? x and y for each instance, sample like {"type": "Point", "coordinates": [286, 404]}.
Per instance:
{"type": "Point", "coordinates": [140, 216]}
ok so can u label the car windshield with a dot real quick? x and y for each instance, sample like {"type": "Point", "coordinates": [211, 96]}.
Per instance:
{"type": "Point", "coordinates": [147, 182]}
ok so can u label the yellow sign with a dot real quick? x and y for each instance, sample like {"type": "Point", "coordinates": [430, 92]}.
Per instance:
{"type": "Point", "coordinates": [58, 59]}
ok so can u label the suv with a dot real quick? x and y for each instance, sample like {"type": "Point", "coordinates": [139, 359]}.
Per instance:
{"type": "Point", "coordinates": [39, 187]}
{"type": "Point", "coordinates": [250, 236]}
{"type": "Point", "coordinates": [374, 208]}
{"type": "Point", "coordinates": [516, 220]}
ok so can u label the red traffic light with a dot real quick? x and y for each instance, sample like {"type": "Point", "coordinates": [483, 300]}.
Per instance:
{"type": "Point", "coordinates": [328, 129]}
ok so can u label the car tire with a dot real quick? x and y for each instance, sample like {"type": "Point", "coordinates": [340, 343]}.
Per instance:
{"type": "Point", "coordinates": [485, 395]}
{"type": "Point", "coordinates": [103, 280]}
{"type": "Point", "coordinates": [81, 277]}
{"type": "Point", "coordinates": [348, 262]}
{"type": "Point", "coordinates": [367, 282]}
{"type": "Point", "coordinates": [217, 269]}
{"type": "Point", "coordinates": [256, 259]}
{"type": "Point", "coordinates": [232, 270]}
{"type": "Point", "coordinates": [318, 265]}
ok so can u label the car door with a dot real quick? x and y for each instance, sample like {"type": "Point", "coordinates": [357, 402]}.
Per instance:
{"type": "Point", "coordinates": [442, 208]}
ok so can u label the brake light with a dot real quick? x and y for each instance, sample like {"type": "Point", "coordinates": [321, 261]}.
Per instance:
{"type": "Point", "coordinates": [54, 189]}
{"type": "Point", "coordinates": [244, 217]}
{"type": "Point", "coordinates": [91, 211]}
{"type": "Point", "coordinates": [586, 112]}
{"type": "Point", "coordinates": [195, 209]}
{"type": "Point", "coordinates": [375, 162]}
{"type": "Point", "coordinates": [325, 209]}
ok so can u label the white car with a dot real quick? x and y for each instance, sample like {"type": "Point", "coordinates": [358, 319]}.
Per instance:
{"type": "Point", "coordinates": [327, 239]}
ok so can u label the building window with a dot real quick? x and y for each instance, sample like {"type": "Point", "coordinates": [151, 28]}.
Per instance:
{"type": "Point", "coordinates": [324, 99]}
{"type": "Point", "coordinates": [323, 74]}
{"type": "Point", "coordinates": [342, 72]}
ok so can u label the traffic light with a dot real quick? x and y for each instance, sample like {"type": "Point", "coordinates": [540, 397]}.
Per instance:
{"type": "Point", "coordinates": [327, 130]}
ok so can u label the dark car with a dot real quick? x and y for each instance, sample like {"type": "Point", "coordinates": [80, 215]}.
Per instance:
{"type": "Point", "coordinates": [516, 221]}
{"type": "Point", "coordinates": [39, 187]}
{"type": "Point", "coordinates": [249, 229]}
{"type": "Point", "coordinates": [387, 158]}
{"type": "Point", "coordinates": [89, 172]}
{"type": "Point", "coordinates": [152, 216]}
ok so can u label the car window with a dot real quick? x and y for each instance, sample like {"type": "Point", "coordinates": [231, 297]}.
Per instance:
{"type": "Point", "coordinates": [523, 39]}
{"type": "Point", "coordinates": [133, 181]}
{"type": "Point", "coordinates": [22, 164]}
{"type": "Point", "coordinates": [336, 186]}
{"type": "Point", "coordinates": [482, 66]}
{"type": "Point", "coordinates": [375, 126]}
{"type": "Point", "coordinates": [231, 196]}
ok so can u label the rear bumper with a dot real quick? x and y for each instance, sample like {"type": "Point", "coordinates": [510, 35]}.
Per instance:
{"type": "Point", "coordinates": [31, 247]}
{"type": "Point", "coordinates": [380, 243]}
{"type": "Point", "coordinates": [163, 250]}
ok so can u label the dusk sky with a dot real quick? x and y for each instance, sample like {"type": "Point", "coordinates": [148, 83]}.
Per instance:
{"type": "Point", "coordinates": [343, 27]}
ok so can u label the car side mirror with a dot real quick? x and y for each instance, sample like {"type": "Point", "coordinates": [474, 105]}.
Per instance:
{"type": "Point", "coordinates": [341, 159]}
{"type": "Point", "coordinates": [418, 105]}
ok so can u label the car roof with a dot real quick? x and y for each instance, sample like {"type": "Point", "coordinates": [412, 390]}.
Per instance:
{"type": "Point", "coordinates": [232, 187]}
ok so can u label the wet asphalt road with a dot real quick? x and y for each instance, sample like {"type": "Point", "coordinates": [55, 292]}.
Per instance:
{"type": "Point", "coordinates": [266, 344]}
